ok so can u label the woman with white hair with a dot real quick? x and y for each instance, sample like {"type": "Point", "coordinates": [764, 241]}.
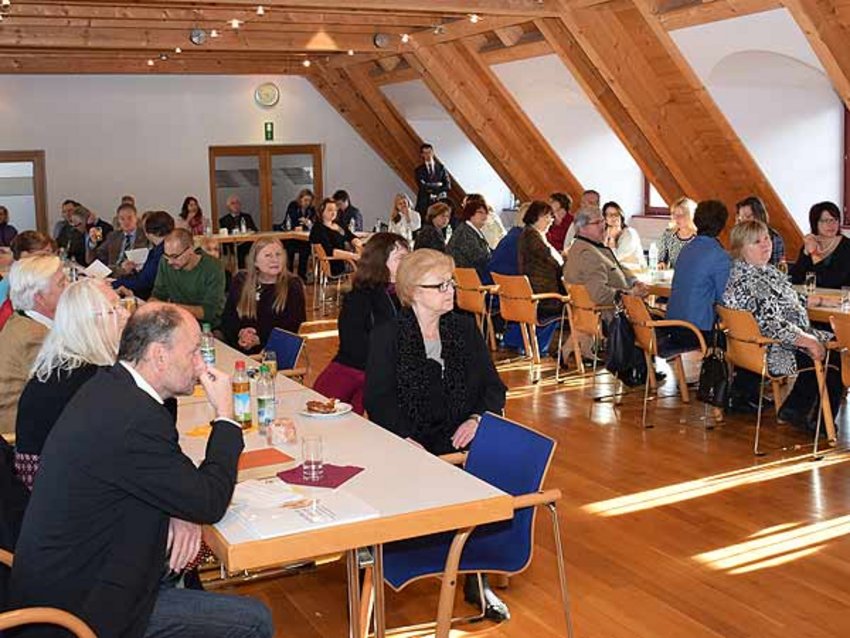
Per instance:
{"type": "Point", "coordinates": [404, 220]}
{"type": "Point", "coordinates": [87, 329]}
{"type": "Point", "coordinates": [679, 233]}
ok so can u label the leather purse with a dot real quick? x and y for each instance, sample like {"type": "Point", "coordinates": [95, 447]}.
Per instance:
{"type": "Point", "coordinates": [714, 374]}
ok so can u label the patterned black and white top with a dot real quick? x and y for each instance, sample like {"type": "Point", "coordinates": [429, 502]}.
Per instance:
{"type": "Point", "coordinates": [778, 309]}
{"type": "Point", "coordinates": [670, 245]}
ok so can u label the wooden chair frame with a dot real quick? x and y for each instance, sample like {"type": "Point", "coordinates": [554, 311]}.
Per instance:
{"type": "Point", "coordinates": [582, 312]}
{"type": "Point", "coordinates": [647, 340]}
{"type": "Point", "coordinates": [322, 276]}
{"type": "Point", "coordinates": [752, 338]}
{"type": "Point", "coordinates": [473, 296]}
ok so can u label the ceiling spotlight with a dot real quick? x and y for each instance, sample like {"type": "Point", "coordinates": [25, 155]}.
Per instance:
{"type": "Point", "coordinates": [178, 50]}
{"type": "Point", "coordinates": [163, 57]}
{"type": "Point", "coordinates": [1, 17]}
{"type": "Point", "coordinates": [306, 63]}
{"type": "Point", "coordinates": [261, 11]}
{"type": "Point", "coordinates": [439, 29]}
{"type": "Point", "coordinates": [150, 62]}
{"type": "Point", "coordinates": [214, 33]}
{"type": "Point", "coordinates": [6, 3]}
{"type": "Point", "coordinates": [474, 18]}
{"type": "Point", "coordinates": [381, 40]}
{"type": "Point", "coordinates": [351, 52]}
{"type": "Point", "coordinates": [235, 23]}
{"type": "Point", "coordinates": [405, 38]}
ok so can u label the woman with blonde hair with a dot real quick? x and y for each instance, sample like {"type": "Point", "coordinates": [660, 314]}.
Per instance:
{"type": "Point", "coordinates": [86, 331]}
{"type": "Point", "coordinates": [262, 297]}
{"type": "Point", "coordinates": [404, 220]}
{"type": "Point", "coordinates": [679, 233]}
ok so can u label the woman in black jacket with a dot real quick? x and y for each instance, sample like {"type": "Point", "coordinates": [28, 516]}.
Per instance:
{"type": "Point", "coordinates": [371, 302]}
{"type": "Point", "coordinates": [825, 251]}
{"type": "Point", "coordinates": [432, 233]}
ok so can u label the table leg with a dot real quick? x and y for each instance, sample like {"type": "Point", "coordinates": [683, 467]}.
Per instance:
{"type": "Point", "coordinates": [353, 594]}
{"type": "Point", "coordinates": [380, 618]}
{"type": "Point", "coordinates": [449, 584]}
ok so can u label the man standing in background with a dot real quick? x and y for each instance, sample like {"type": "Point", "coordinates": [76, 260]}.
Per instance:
{"type": "Point", "coordinates": [433, 179]}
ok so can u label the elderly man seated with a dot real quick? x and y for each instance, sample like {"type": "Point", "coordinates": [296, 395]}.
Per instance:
{"type": "Point", "coordinates": [190, 278]}
{"type": "Point", "coordinates": [35, 285]}
{"type": "Point", "coordinates": [113, 250]}
{"type": "Point", "coordinates": [590, 263]}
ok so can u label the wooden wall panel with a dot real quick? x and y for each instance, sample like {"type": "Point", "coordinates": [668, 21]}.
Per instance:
{"type": "Point", "coordinates": [644, 68]}
{"type": "Point", "coordinates": [472, 94]}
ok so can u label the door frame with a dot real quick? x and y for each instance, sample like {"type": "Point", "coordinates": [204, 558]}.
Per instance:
{"type": "Point", "coordinates": [39, 177]}
{"type": "Point", "coordinates": [265, 153]}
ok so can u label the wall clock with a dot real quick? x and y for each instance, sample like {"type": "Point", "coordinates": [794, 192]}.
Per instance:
{"type": "Point", "coordinates": [267, 94]}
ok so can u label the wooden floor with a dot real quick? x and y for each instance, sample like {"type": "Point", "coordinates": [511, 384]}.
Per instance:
{"type": "Point", "coordinates": [671, 531]}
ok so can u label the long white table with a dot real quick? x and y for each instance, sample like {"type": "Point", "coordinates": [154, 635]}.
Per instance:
{"type": "Point", "coordinates": [414, 492]}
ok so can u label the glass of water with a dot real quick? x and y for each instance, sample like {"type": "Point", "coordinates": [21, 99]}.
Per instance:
{"type": "Point", "coordinates": [270, 359]}
{"type": "Point", "coordinates": [811, 283]}
{"type": "Point", "coordinates": [845, 299]}
{"type": "Point", "coordinates": [313, 463]}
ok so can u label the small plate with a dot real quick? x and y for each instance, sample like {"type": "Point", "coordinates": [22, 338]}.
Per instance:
{"type": "Point", "coordinates": [341, 408]}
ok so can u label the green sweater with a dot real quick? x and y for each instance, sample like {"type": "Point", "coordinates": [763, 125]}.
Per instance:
{"type": "Point", "coordinates": [201, 286]}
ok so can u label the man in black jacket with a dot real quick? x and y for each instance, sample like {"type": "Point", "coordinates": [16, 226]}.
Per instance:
{"type": "Point", "coordinates": [433, 179]}
{"type": "Point", "coordinates": [96, 531]}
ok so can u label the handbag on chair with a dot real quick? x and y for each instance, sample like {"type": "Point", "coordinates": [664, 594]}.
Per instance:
{"type": "Point", "coordinates": [624, 359]}
{"type": "Point", "coordinates": [714, 375]}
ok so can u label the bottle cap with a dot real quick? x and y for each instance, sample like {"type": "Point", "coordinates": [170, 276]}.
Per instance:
{"type": "Point", "coordinates": [264, 369]}
{"type": "Point", "coordinates": [240, 365]}
{"type": "Point", "coordinates": [205, 327]}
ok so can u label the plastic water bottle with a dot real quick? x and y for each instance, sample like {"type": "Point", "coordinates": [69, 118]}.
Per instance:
{"type": "Point", "coordinates": [208, 229]}
{"type": "Point", "coordinates": [352, 225]}
{"type": "Point", "coordinates": [207, 345]}
{"type": "Point", "coordinates": [242, 396]}
{"type": "Point", "coordinates": [653, 257]}
{"type": "Point", "coordinates": [243, 227]}
{"type": "Point", "coordinates": [265, 400]}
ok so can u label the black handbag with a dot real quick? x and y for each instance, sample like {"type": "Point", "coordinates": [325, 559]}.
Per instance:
{"type": "Point", "coordinates": [714, 375]}
{"type": "Point", "coordinates": [624, 359]}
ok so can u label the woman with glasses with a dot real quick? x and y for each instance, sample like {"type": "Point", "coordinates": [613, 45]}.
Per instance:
{"type": "Point", "coordinates": [622, 239]}
{"type": "Point", "coordinates": [262, 297]}
{"type": "Point", "coordinates": [429, 376]}
{"type": "Point", "coordinates": [86, 331]}
{"type": "Point", "coordinates": [537, 258]}
{"type": "Point", "coordinates": [825, 251]}
{"type": "Point", "coordinates": [679, 234]}
{"type": "Point", "coordinates": [371, 302]}
{"type": "Point", "coordinates": [468, 245]}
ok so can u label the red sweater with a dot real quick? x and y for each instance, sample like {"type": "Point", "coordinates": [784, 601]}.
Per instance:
{"type": "Point", "coordinates": [558, 232]}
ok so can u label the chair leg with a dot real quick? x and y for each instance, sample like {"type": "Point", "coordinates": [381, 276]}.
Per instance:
{"type": "Point", "coordinates": [378, 582]}
{"type": "Point", "coordinates": [491, 334]}
{"type": "Point", "coordinates": [646, 386]}
{"type": "Point", "coordinates": [535, 345]}
{"type": "Point", "coordinates": [825, 407]}
{"type": "Point", "coordinates": [577, 351]}
{"type": "Point", "coordinates": [681, 380]}
{"type": "Point", "coordinates": [449, 583]}
{"type": "Point", "coordinates": [562, 570]}
{"type": "Point", "coordinates": [366, 602]}
{"type": "Point", "coordinates": [756, 450]}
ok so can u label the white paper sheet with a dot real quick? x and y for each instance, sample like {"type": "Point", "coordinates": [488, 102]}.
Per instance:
{"type": "Point", "coordinates": [138, 256]}
{"type": "Point", "coordinates": [98, 270]}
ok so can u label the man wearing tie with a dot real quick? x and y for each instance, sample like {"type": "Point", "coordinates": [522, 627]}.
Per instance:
{"type": "Point", "coordinates": [113, 251]}
{"type": "Point", "coordinates": [433, 179]}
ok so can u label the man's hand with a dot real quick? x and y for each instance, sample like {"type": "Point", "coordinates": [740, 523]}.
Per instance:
{"type": "Point", "coordinates": [184, 543]}
{"type": "Point", "coordinates": [219, 391]}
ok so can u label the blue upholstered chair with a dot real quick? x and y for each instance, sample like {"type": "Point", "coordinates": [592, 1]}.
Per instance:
{"type": "Point", "coordinates": [515, 459]}
{"type": "Point", "coordinates": [288, 347]}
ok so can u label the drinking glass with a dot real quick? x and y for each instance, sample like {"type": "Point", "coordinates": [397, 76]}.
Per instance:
{"type": "Point", "coordinates": [845, 298]}
{"type": "Point", "coordinates": [313, 464]}
{"type": "Point", "coordinates": [811, 283]}
{"type": "Point", "coordinates": [270, 359]}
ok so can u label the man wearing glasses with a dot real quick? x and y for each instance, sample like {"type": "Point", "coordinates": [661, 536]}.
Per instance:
{"type": "Point", "coordinates": [190, 278]}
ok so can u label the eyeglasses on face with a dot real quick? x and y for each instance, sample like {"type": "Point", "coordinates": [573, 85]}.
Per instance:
{"type": "Point", "coordinates": [177, 256]}
{"type": "Point", "coordinates": [443, 286]}
{"type": "Point", "coordinates": [595, 222]}
{"type": "Point", "coordinates": [827, 220]}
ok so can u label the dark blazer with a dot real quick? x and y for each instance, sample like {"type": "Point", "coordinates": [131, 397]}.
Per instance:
{"type": "Point", "coordinates": [112, 473]}
{"type": "Point", "coordinates": [536, 262]}
{"type": "Point", "coordinates": [470, 250]}
{"type": "Point", "coordinates": [432, 186]}
{"type": "Point", "coordinates": [109, 250]}
{"type": "Point", "coordinates": [13, 503]}
{"type": "Point", "coordinates": [398, 373]}
{"type": "Point", "coordinates": [362, 310]}
{"type": "Point", "coordinates": [293, 216]}
{"type": "Point", "coordinates": [231, 223]}
{"type": "Point", "coordinates": [352, 213]}
{"type": "Point", "coordinates": [330, 239]}
{"type": "Point", "coordinates": [429, 236]}
{"type": "Point", "coordinates": [832, 272]}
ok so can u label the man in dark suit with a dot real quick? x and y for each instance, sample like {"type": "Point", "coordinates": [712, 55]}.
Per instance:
{"type": "Point", "coordinates": [347, 212]}
{"type": "Point", "coordinates": [113, 251]}
{"type": "Point", "coordinates": [233, 223]}
{"type": "Point", "coordinates": [433, 179]}
{"type": "Point", "coordinates": [96, 531]}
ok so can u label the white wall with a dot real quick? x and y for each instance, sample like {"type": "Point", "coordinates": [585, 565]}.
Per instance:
{"type": "Point", "coordinates": [565, 116]}
{"type": "Point", "coordinates": [764, 76]}
{"type": "Point", "coordinates": [105, 136]}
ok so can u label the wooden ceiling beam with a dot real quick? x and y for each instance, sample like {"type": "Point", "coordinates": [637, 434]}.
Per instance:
{"type": "Point", "coordinates": [698, 13]}
{"type": "Point", "coordinates": [167, 39]}
{"type": "Point", "coordinates": [826, 24]}
{"type": "Point", "coordinates": [490, 117]}
{"type": "Point", "coordinates": [668, 103]}
{"type": "Point", "coordinates": [609, 106]}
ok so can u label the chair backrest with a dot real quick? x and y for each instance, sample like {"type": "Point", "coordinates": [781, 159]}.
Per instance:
{"type": "Point", "coordinates": [639, 317]}
{"type": "Point", "coordinates": [322, 258]}
{"type": "Point", "coordinates": [515, 301]}
{"type": "Point", "coordinates": [742, 334]}
{"type": "Point", "coordinates": [287, 346]}
{"type": "Point", "coordinates": [469, 297]}
{"type": "Point", "coordinates": [515, 459]}
{"type": "Point", "coordinates": [584, 317]}
{"type": "Point", "coordinates": [841, 327]}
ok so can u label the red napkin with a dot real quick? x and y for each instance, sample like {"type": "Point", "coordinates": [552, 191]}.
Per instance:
{"type": "Point", "coordinates": [333, 476]}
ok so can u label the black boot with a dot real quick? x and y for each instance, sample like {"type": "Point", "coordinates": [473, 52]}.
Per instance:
{"type": "Point", "coordinates": [495, 608]}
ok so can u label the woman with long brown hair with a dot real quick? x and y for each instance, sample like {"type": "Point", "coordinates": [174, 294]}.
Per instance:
{"type": "Point", "coordinates": [371, 302]}
{"type": "Point", "coordinates": [404, 220]}
{"type": "Point", "coordinates": [262, 297]}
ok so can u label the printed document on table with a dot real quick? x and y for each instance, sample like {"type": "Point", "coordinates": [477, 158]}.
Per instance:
{"type": "Point", "coordinates": [138, 255]}
{"type": "Point", "coordinates": [324, 508]}
{"type": "Point", "coordinates": [98, 270]}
